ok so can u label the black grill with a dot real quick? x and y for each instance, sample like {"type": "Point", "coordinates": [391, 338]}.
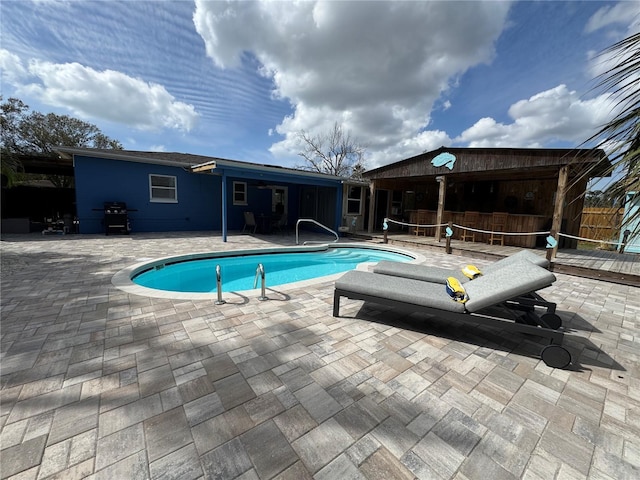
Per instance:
{"type": "Point", "coordinates": [116, 219]}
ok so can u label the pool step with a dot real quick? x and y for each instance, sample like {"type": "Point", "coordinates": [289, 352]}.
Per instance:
{"type": "Point", "coordinates": [347, 256]}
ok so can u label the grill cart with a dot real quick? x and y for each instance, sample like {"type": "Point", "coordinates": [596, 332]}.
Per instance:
{"type": "Point", "coordinates": [116, 218]}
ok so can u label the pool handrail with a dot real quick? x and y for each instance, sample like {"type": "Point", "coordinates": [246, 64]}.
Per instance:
{"type": "Point", "coordinates": [219, 300]}
{"type": "Point", "coordinates": [311, 220]}
{"type": "Point", "coordinates": [260, 272]}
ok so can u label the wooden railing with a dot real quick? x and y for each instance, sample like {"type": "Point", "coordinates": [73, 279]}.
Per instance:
{"type": "Point", "coordinates": [515, 223]}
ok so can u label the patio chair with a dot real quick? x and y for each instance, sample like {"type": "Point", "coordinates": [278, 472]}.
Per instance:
{"type": "Point", "coordinates": [489, 301]}
{"type": "Point", "coordinates": [421, 219]}
{"type": "Point", "coordinates": [498, 227]}
{"type": "Point", "coordinates": [249, 222]}
{"type": "Point", "coordinates": [471, 220]}
{"type": "Point", "coordinates": [280, 223]}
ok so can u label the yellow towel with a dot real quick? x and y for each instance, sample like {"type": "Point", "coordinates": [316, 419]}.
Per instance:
{"type": "Point", "coordinates": [455, 290]}
{"type": "Point", "coordinates": [471, 271]}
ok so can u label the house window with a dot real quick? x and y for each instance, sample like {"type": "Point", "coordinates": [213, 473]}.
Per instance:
{"type": "Point", "coordinates": [354, 201]}
{"type": "Point", "coordinates": [239, 193]}
{"type": "Point", "coordinates": [163, 189]}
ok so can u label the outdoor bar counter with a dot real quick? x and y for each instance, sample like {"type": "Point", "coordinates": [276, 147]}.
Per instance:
{"type": "Point", "coordinates": [515, 223]}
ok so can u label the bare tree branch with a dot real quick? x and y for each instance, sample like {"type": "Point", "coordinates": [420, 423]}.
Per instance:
{"type": "Point", "coordinates": [334, 152]}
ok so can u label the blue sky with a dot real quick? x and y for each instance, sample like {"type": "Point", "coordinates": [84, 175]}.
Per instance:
{"type": "Point", "coordinates": [240, 80]}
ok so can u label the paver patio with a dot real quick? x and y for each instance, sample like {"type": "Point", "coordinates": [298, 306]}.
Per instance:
{"type": "Point", "coordinates": [101, 384]}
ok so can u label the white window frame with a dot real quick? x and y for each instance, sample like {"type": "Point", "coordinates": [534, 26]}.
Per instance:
{"type": "Point", "coordinates": [174, 188]}
{"type": "Point", "coordinates": [354, 200]}
{"type": "Point", "coordinates": [242, 201]}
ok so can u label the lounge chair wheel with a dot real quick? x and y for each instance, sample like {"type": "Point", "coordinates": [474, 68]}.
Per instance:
{"type": "Point", "coordinates": [551, 320]}
{"type": "Point", "coordinates": [555, 356]}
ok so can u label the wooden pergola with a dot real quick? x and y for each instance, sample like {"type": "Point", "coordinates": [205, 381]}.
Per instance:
{"type": "Point", "coordinates": [537, 187]}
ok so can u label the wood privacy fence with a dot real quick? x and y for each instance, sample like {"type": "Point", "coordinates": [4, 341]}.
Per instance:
{"type": "Point", "coordinates": [601, 223]}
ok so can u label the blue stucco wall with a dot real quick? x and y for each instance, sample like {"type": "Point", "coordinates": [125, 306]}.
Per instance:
{"type": "Point", "coordinates": [100, 180]}
{"type": "Point", "coordinates": [104, 180]}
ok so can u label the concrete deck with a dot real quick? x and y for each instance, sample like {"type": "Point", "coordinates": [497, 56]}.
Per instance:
{"type": "Point", "coordinates": [101, 384]}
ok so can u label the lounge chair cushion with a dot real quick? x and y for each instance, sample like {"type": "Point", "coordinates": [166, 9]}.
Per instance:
{"type": "Point", "coordinates": [515, 258]}
{"type": "Point", "coordinates": [400, 289]}
{"type": "Point", "coordinates": [440, 275]}
{"type": "Point", "coordinates": [518, 278]}
{"type": "Point", "coordinates": [513, 280]}
{"type": "Point", "coordinates": [419, 272]}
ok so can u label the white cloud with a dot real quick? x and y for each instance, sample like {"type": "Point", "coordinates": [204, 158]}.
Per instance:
{"type": "Point", "coordinates": [625, 13]}
{"type": "Point", "coordinates": [422, 142]}
{"type": "Point", "coordinates": [106, 95]}
{"type": "Point", "coordinates": [11, 67]}
{"type": "Point", "coordinates": [557, 114]}
{"type": "Point", "coordinates": [376, 67]}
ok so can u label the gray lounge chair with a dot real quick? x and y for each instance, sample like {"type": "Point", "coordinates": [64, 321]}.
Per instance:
{"type": "Point", "coordinates": [440, 275]}
{"type": "Point", "coordinates": [494, 289]}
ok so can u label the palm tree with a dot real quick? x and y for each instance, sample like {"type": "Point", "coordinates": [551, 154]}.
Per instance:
{"type": "Point", "coordinates": [620, 137]}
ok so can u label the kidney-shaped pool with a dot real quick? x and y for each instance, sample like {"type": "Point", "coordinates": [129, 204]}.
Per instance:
{"type": "Point", "coordinates": [196, 273]}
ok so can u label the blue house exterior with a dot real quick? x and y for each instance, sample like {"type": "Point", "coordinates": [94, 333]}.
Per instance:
{"type": "Point", "coordinates": [181, 192]}
{"type": "Point", "coordinates": [100, 180]}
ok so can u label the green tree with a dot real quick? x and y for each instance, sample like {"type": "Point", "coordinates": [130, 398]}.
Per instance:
{"type": "Point", "coordinates": [34, 133]}
{"type": "Point", "coordinates": [599, 199]}
{"type": "Point", "coordinates": [620, 137]}
{"type": "Point", "coordinates": [334, 152]}
{"type": "Point", "coordinates": [12, 113]}
{"type": "Point", "coordinates": [357, 171]}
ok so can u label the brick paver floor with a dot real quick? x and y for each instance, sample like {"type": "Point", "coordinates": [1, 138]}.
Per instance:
{"type": "Point", "coordinates": [102, 384]}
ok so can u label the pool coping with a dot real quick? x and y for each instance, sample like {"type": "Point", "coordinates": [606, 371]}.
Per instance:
{"type": "Point", "coordinates": [123, 278]}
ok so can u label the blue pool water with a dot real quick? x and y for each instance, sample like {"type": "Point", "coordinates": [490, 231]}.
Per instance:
{"type": "Point", "coordinates": [239, 272]}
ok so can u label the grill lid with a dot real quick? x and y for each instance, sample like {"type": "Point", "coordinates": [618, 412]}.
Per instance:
{"type": "Point", "coordinates": [115, 207]}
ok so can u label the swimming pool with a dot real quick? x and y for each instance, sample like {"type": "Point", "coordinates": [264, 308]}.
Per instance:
{"type": "Point", "coordinates": [194, 276]}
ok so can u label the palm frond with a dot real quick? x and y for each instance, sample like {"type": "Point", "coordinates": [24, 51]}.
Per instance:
{"type": "Point", "coordinates": [620, 137]}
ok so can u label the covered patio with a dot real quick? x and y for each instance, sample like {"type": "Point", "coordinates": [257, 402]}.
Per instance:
{"type": "Point", "coordinates": [537, 189]}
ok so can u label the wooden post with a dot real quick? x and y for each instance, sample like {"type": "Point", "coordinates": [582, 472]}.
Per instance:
{"type": "Point", "coordinates": [442, 180]}
{"type": "Point", "coordinates": [372, 206]}
{"type": "Point", "coordinates": [550, 253]}
{"type": "Point", "coordinates": [448, 247]}
{"type": "Point", "coordinates": [556, 224]}
{"type": "Point", "coordinates": [385, 227]}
